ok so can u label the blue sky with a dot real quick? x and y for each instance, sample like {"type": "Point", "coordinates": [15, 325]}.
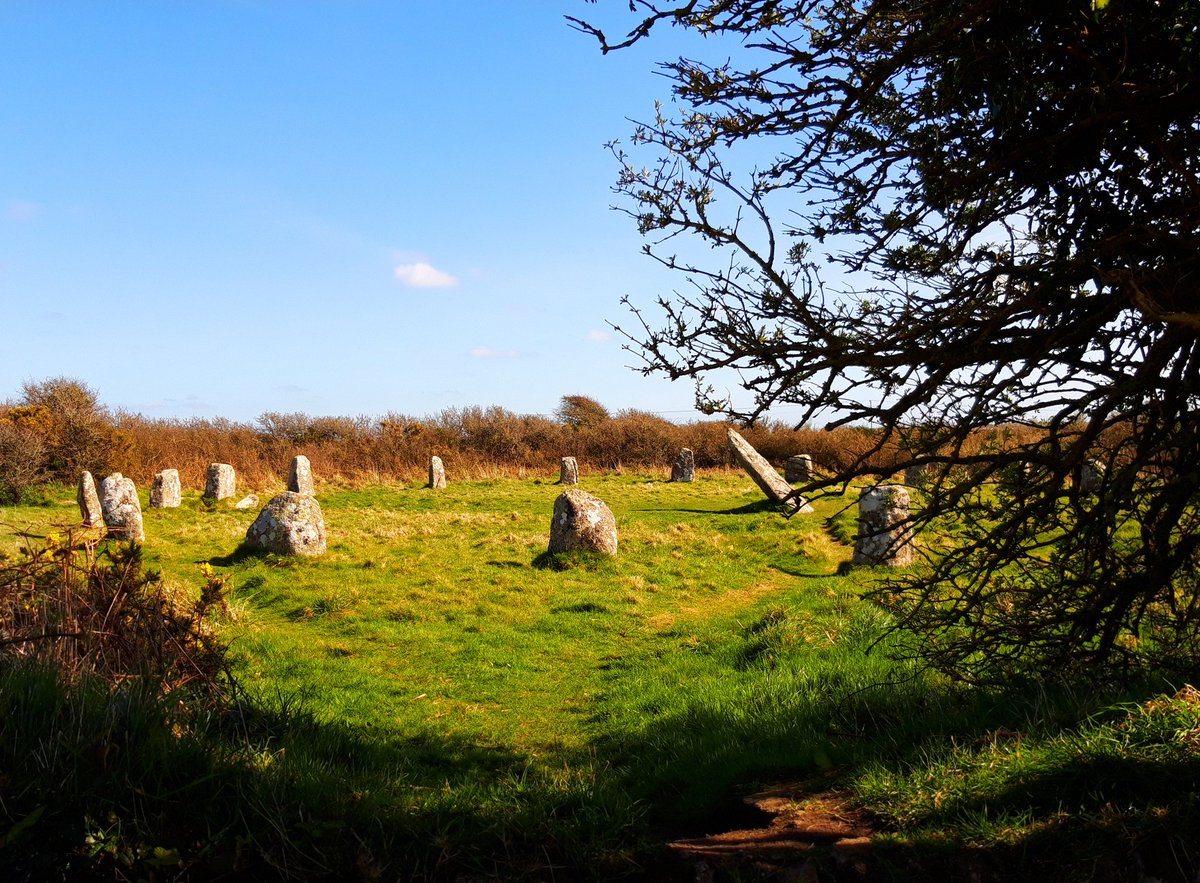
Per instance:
{"type": "Point", "coordinates": [228, 207]}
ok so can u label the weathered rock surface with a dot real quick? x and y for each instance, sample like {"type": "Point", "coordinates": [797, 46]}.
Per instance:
{"type": "Point", "coordinates": [798, 469]}
{"type": "Point", "coordinates": [1091, 477]}
{"type": "Point", "coordinates": [166, 491]}
{"type": "Point", "coordinates": [917, 476]}
{"type": "Point", "coordinates": [121, 507]}
{"type": "Point", "coordinates": [768, 480]}
{"type": "Point", "coordinates": [582, 521]}
{"type": "Point", "coordinates": [247, 502]}
{"type": "Point", "coordinates": [437, 473]}
{"type": "Point", "coordinates": [684, 467]}
{"type": "Point", "coordinates": [89, 501]}
{"type": "Point", "coordinates": [221, 481]}
{"type": "Point", "coordinates": [300, 477]}
{"type": "Point", "coordinates": [290, 524]}
{"type": "Point", "coordinates": [568, 471]}
{"type": "Point", "coordinates": [884, 538]}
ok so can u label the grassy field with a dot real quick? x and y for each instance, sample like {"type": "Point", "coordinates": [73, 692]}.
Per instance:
{"type": "Point", "coordinates": [424, 701]}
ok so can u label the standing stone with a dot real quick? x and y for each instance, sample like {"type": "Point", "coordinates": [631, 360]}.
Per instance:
{"type": "Point", "coordinates": [89, 501]}
{"type": "Point", "coordinates": [581, 521]}
{"type": "Point", "coordinates": [437, 473]}
{"type": "Point", "coordinates": [568, 471]}
{"type": "Point", "coordinates": [798, 469]}
{"type": "Point", "coordinates": [884, 537]}
{"type": "Point", "coordinates": [291, 524]}
{"type": "Point", "coordinates": [916, 476]}
{"type": "Point", "coordinates": [684, 467]}
{"type": "Point", "coordinates": [122, 510]}
{"type": "Point", "coordinates": [300, 478]}
{"type": "Point", "coordinates": [221, 481]}
{"type": "Point", "coordinates": [768, 480]}
{"type": "Point", "coordinates": [247, 502]}
{"type": "Point", "coordinates": [165, 490]}
{"type": "Point", "coordinates": [1091, 476]}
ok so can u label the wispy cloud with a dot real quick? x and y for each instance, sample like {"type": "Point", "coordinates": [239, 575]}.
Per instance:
{"type": "Point", "coordinates": [422, 275]}
{"type": "Point", "coordinates": [597, 336]}
{"type": "Point", "coordinates": [22, 210]}
{"type": "Point", "coordinates": [486, 352]}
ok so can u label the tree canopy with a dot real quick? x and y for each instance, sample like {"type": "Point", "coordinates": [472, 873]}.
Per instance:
{"type": "Point", "coordinates": [976, 220]}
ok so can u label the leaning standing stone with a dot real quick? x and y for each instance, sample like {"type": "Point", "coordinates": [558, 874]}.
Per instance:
{"type": "Point", "coordinates": [437, 473]}
{"type": "Point", "coordinates": [165, 491]}
{"type": "Point", "coordinates": [122, 510]}
{"type": "Point", "coordinates": [89, 501]}
{"type": "Point", "coordinates": [582, 521]}
{"type": "Point", "coordinates": [684, 467]}
{"type": "Point", "coordinates": [768, 480]}
{"type": "Point", "coordinates": [884, 536]}
{"type": "Point", "coordinates": [798, 469]}
{"type": "Point", "coordinates": [221, 481]}
{"type": "Point", "coordinates": [291, 524]}
{"type": "Point", "coordinates": [568, 471]}
{"type": "Point", "coordinates": [300, 478]}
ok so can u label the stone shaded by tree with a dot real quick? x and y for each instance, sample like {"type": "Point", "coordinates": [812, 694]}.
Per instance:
{"type": "Point", "coordinates": [121, 507]}
{"type": "Point", "coordinates": [166, 492]}
{"type": "Point", "coordinates": [582, 522]}
{"type": "Point", "coordinates": [1008, 198]}
{"type": "Point", "coordinates": [290, 524]}
{"type": "Point", "coordinates": [300, 477]}
{"type": "Point", "coordinates": [884, 532]}
{"type": "Point", "coordinates": [798, 469]}
{"type": "Point", "coordinates": [684, 467]}
{"type": "Point", "coordinates": [568, 471]}
{"type": "Point", "coordinates": [220, 482]}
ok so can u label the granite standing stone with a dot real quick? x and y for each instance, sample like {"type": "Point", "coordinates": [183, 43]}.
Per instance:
{"type": "Point", "coordinates": [290, 524]}
{"type": "Point", "coordinates": [768, 480]}
{"type": "Point", "coordinates": [89, 501]}
{"type": "Point", "coordinates": [221, 481]}
{"type": "Point", "coordinates": [884, 536]}
{"type": "Point", "coordinates": [798, 469]}
{"type": "Point", "coordinates": [568, 471]}
{"type": "Point", "coordinates": [581, 521]}
{"type": "Point", "coordinates": [437, 473]}
{"type": "Point", "coordinates": [300, 477]}
{"type": "Point", "coordinates": [121, 507]}
{"type": "Point", "coordinates": [916, 476]}
{"type": "Point", "coordinates": [684, 467]}
{"type": "Point", "coordinates": [1091, 477]}
{"type": "Point", "coordinates": [165, 490]}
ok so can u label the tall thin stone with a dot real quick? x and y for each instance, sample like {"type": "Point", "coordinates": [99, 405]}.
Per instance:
{"type": "Point", "coordinates": [684, 467]}
{"type": "Point", "coordinates": [121, 507]}
{"type": "Point", "coordinates": [568, 471]}
{"type": "Point", "coordinates": [300, 477]}
{"type": "Point", "coordinates": [166, 491]}
{"type": "Point", "coordinates": [769, 481]}
{"type": "Point", "coordinates": [798, 469]}
{"type": "Point", "coordinates": [437, 473]}
{"type": "Point", "coordinates": [884, 535]}
{"type": "Point", "coordinates": [221, 481]}
{"type": "Point", "coordinates": [89, 502]}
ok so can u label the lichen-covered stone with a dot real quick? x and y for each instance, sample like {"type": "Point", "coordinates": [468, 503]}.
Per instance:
{"type": "Point", "coordinates": [221, 481]}
{"type": "Point", "coordinates": [582, 521]}
{"type": "Point", "coordinates": [798, 469]}
{"type": "Point", "coordinates": [884, 535]}
{"type": "Point", "coordinates": [121, 507]}
{"type": "Point", "coordinates": [300, 477]}
{"type": "Point", "coordinates": [768, 480]}
{"type": "Point", "coordinates": [89, 502]}
{"type": "Point", "coordinates": [166, 491]}
{"type": "Point", "coordinates": [247, 502]}
{"type": "Point", "coordinates": [290, 524]}
{"type": "Point", "coordinates": [684, 467]}
{"type": "Point", "coordinates": [437, 473]}
{"type": "Point", "coordinates": [568, 471]}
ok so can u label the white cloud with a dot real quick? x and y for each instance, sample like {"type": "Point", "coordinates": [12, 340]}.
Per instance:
{"type": "Point", "coordinates": [422, 275]}
{"type": "Point", "coordinates": [486, 352]}
{"type": "Point", "coordinates": [597, 336]}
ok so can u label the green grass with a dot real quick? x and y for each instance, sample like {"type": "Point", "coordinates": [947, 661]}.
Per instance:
{"type": "Point", "coordinates": [426, 699]}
